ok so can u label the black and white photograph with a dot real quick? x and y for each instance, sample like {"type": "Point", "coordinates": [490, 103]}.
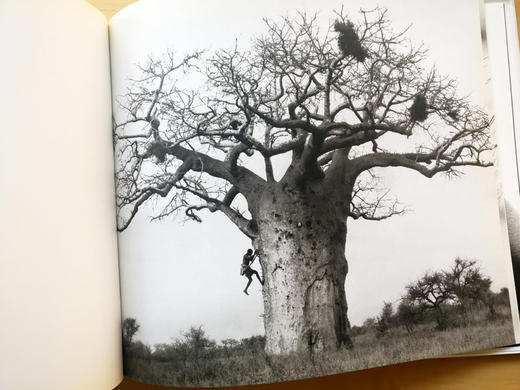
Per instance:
{"type": "Point", "coordinates": [305, 190]}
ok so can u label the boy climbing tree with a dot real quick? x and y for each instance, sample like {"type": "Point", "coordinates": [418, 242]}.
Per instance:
{"type": "Point", "coordinates": [245, 268]}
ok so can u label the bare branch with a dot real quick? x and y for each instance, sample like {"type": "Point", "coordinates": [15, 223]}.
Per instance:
{"type": "Point", "coordinates": [297, 91]}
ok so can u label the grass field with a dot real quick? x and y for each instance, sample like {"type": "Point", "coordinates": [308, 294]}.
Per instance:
{"type": "Point", "coordinates": [252, 367]}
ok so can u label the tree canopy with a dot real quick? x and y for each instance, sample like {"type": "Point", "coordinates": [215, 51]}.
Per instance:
{"type": "Point", "coordinates": [335, 102]}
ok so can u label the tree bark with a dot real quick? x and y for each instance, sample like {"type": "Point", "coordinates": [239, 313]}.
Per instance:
{"type": "Point", "coordinates": [440, 317]}
{"type": "Point", "coordinates": [302, 235]}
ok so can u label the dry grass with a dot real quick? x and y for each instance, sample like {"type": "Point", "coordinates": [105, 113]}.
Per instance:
{"type": "Point", "coordinates": [369, 351]}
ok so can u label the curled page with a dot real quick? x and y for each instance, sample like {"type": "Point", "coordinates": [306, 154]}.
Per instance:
{"type": "Point", "coordinates": [304, 189]}
{"type": "Point", "coordinates": [505, 65]}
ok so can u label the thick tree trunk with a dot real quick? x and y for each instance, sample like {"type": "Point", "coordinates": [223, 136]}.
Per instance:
{"type": "Point", "coordinates": [302, 234]}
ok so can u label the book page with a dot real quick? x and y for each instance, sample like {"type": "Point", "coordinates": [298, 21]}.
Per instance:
{"type": "Point", "coordinates": [501, 54]}
{"type": "Point", "coordinates": [310, 190]}
{"type": "Point", "coordinates": [503, 48]}
{"type": "Point", "coordinates": [59, 282]}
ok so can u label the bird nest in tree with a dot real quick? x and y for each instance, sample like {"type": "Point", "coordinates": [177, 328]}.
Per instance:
{"type": "Point", "coordinates": [348, 41]}
{"type": "Point", "coordinates": [418, 110]}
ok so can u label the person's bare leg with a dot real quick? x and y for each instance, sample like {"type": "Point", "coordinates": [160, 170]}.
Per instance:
{"type": "Point", "coordinates": [248, 283]}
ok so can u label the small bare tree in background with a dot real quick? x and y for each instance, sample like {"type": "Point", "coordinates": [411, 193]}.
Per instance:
{"type": "Point", "coordinates": [385, 320]}
{"type": "Point", "coordinates": [463, 285]}
{"type": "Point", "coordinates": [320, 110]}
{"type": "Point", "coordinates": [129, 327]}
{"type": "Point", "coordinates": [432, 292]}
{"type": "Point", "coordinates": [467, 282]}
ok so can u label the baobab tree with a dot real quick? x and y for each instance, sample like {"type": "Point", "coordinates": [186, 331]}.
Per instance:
{"type": "Point", "coordinates": [286, 138]}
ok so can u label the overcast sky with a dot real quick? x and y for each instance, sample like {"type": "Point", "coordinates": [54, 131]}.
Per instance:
{"type": "Point", "coordinates": [175, 275]}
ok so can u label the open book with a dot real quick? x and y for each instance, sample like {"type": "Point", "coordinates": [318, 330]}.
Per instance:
{"type": "Point", "coordinates": [234, 193]}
